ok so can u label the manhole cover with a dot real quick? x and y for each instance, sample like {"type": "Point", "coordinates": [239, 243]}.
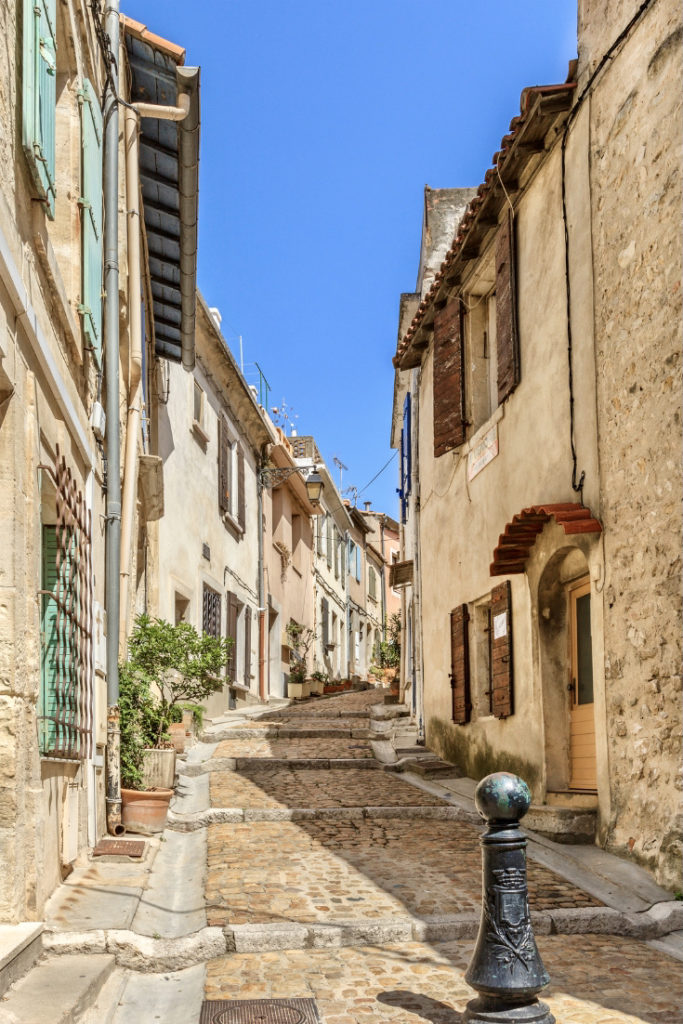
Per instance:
{"type": "Point", "coordinates": [259, 1011]}
{"type": "Point", "coordinates": [119, 848]}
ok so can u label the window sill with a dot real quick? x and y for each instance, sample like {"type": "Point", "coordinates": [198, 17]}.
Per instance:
{"type": "Point", "coordinates": [481, 431]}
{"type": "Point", "coordinates": [199, 434]}
{"type": "Point", "coordinates": [233, 525]}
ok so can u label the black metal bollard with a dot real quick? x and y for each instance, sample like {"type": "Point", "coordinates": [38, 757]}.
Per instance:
{"type": "Point", "coordinates": [506, 968]}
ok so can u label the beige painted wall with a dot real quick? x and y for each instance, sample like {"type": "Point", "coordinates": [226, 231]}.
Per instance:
{"type": "Point", "coordinates": [50, 809]}
{"type": "Point", "coordinates": [460, 520]}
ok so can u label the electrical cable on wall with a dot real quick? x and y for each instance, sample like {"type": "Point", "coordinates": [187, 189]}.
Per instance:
{"type": "Point", "coordinates": [577, 486]}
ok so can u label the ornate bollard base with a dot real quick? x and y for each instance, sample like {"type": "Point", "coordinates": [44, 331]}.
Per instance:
{"type": "Point", "coordinates": [488, 1010]}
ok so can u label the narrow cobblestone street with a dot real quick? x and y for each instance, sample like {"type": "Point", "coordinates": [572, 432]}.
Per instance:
{"type": "Point", "coordinates": [386, 856]}
{"type": "Point", "coordinates": [300, 872]}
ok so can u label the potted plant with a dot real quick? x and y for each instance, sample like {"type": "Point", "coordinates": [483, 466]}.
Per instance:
{"type": "Point", "coordinates": [300, 641]}
{"type": "Point", "coordinates": [317, 682]}
{"type": "Point", "coordinates": [167, 667]}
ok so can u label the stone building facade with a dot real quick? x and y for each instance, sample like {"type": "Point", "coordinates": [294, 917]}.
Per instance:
{"type": "Point", "coordinates": [635, 212]}
{"type": "Point", "coordinates": [540, 367]}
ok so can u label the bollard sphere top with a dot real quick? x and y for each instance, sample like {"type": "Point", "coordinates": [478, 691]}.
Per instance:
{"type": "Point", "coordinates": [502, 797]}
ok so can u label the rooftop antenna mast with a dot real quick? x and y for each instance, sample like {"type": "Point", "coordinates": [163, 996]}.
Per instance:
{"type": "Point", "coordinates": [341, 467]}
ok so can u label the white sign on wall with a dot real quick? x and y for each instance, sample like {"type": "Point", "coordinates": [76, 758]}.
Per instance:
{"type": "Point", "coordinates": [483, 452]}
{"type": "Point", "coordinates": [500, 625]}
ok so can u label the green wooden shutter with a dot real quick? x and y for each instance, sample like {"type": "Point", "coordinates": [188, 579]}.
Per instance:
{"type": "Point", "coordinates": [40, 96]}
{"type": "Point", "coordinates": [91, 218]}
{"type": "Point", "coordinates": [48, 645]}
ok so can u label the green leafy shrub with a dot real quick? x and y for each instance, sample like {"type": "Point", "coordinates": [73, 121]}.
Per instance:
{"type": "Point", "coordinates": [168, 668]}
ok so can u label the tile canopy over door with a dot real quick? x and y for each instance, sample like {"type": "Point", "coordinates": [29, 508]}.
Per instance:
{"type": "Point", "coordinates": [582, 768]}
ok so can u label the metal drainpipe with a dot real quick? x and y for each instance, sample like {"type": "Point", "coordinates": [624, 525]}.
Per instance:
{"type": "Point", "coordinates": [384, 580]}
{"type": "Point", "coordinates": [113, 517]}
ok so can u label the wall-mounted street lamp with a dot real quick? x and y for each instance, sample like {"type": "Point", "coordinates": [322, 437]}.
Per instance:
{"type": "Point", "coordinates": [271, 477]}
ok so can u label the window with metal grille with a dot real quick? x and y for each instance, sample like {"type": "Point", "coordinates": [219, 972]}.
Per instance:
{"type": "Point", "coordinates": [211, 611]}
{"type": "Point", "coordinates": [65, 713]}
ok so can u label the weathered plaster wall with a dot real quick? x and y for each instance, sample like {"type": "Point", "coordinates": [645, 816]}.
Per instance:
{"type": "Point", "coordinates": [44, 805]}
{"type": "Point", "coordinates": [460, 521]}
{"type": "Point", "coordinates": [636, 212]}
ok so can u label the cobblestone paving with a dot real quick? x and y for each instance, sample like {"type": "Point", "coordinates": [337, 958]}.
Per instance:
{"type": "Point", "coordinates": [293, 722]}
{"type": "Point", "coordinates": [259, 786]}
{"type": "Point", "coordinates": [292, 749]}
{"type": "Point", "coordinates": [340, 704]}
{"type": "Point", "coordinates": [595, 980]}
{"type": "Point", "coordinates": [330, 871]}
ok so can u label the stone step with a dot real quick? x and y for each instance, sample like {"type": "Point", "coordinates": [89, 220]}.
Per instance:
{"type": "Point", "coordinates": [572, 798]}
{"type": "Point", "coordinates": [236, 815]}
{"type": "Point", "coordinates": [105, 1007]}
{"type": "Point", "coordinates": [389, 711]}
{"type": "Point", "coordinates": [562, 824]}
{"type": "Point", "coordinates": [283, 732]}
{"type": "Point", "coordinates": [20, 947]}
{"type": "Point", "coordinates": [428, 766]}
{"type": "Point", "coordinates": [59, 989]}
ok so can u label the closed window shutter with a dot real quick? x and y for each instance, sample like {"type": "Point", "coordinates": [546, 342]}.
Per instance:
{"type": "Point", "coordinates": [40, 96]}
{"type": "Point", "coordinates": [449, 379]}
{"type": "Point", "coordinates": [319, 523]}
{"type": "Point", "coordinates": [241, 502]}
{"type": "Point", "coordinates": [406, 446]}
{"type": "Point", "coordinates": [342, 553]}
{"type": "Point", "coordinates": [328, 531]}
{"type": "Point", "coordinates": [247, 645]}
{"type": "Point", "coordinates": [90, 202]}
{"type": "Point", "coordinates": [48, 626]}
{"type": "Point", "coordinates": [325, 617]}
{"type": "Point", "coordinates": [231, 632]}
{"type": "Point", "coordinates": [223, 472]}
{"type": "Point", "coordinates": [507, 339]}
{"type": "Point", "coordinates": [460, 665]}
{"type": "Point", "coordinates": [501, 650]}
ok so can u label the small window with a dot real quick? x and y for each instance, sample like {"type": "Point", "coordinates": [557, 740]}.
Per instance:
{"type": "Point", "coordinates": [211, 611]}
{"type": "Point", "coordinates": [182, 608]}
{"type": "Point", "coordinates": [372, 583]}
{"type": "Point", "coordinates": [481, 671]}
{"type": "Point", "coordinates": [198, 405]}
{"type": "Point", "coordinates": [480, 343]}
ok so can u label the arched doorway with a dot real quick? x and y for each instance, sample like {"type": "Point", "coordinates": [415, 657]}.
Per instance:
{"type": "Point", "coordinates": [566, 660]}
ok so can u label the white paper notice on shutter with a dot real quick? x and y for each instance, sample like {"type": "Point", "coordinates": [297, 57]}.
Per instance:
{"type": "Point", "coordinates": [500, 625]}
{"type": "Point", "coordinates": [483, 452]}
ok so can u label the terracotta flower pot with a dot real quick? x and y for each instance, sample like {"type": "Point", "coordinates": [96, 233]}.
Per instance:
{"type": "Point", "coordinates": [145, 811]}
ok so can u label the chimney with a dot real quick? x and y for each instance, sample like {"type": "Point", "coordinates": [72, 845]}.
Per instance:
{"type": "Point", "coordinates": [368, 505]}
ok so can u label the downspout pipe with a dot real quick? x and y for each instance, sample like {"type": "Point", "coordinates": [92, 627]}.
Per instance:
{"type": "Point", "coordinates": [111, 341]}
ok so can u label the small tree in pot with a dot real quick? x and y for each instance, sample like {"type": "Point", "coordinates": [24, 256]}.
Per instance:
{"type": "Point", "coordinates": [300, 640]}
{"type": "Point", "coordinates": [168, 666]}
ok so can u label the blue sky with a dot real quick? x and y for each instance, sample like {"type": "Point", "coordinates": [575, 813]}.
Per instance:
{"type": "Point", "coordinates": [322, 120]}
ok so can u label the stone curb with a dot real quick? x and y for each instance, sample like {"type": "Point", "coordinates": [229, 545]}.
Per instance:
{"type": "Point", "coordinates": [154, 955]}
{"type": "Point", "coordinates": [232, 764]}
{"type": "Point", "coordinates": [290, 733]}
{"type": "Point", "coordinates": [230, 815]}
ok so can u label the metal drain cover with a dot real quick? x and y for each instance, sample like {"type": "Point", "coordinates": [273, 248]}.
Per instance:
{"type": "Point", "coordinates": [119, 848]}
{"type": "Point", "coordinates": [259, 1011]}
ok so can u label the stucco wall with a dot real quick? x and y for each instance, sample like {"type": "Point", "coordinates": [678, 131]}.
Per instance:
{"type": "Point", "coordinates": [636, 212]}
{"type": "Point", "coordinates": [49, 810]}
{"type": "Point", "coordinates": [460, 520]}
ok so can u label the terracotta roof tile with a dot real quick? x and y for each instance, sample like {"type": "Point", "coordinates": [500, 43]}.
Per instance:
{"type": "Point", "coordinates": [490, 178]}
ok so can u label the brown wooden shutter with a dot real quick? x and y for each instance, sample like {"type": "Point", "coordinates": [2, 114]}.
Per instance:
{"type": "Point", "coordinates": [507, 339]}
{"type": "Point", "coordinates": [241, 498]}
{"type": "Point", "coordinates": [325, 612]}
{"type": "Point", "coordinates": [231, 631]}
{"type": "Point", "coordinates": [223, 455]}
{"type": "Point", "coordinates": [247, 645]}
{"type": "Point", "coordinates": [501, 650]}
{"type": "Point", "coordinates": [460, 665]}
{"type": "Point", "coordinates": [449, 379]}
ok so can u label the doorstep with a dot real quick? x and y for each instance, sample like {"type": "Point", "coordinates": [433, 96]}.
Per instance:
{"type": "Point", "coordinates": [20, 947]}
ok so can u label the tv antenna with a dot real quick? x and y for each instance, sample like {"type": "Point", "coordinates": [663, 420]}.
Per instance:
{"type": "Point", "coordinates": [341, 467]}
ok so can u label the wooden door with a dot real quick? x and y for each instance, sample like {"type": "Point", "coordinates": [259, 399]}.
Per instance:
{"type": "Point", "coordinates": [582, 768]}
